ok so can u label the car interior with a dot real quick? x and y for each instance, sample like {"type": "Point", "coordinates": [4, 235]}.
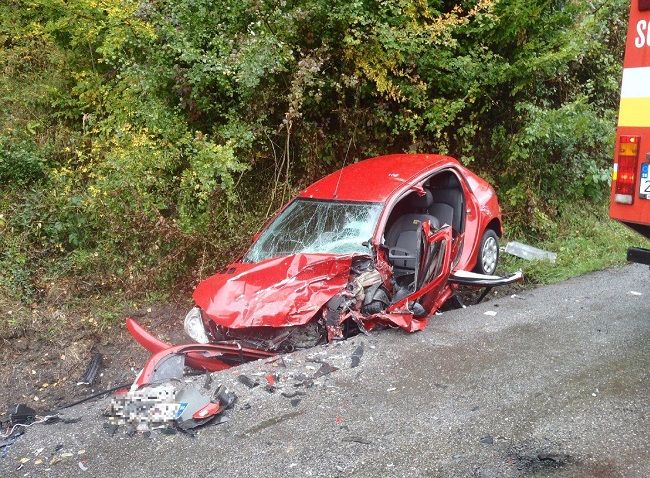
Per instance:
{"type": "Point", "coordinates": [442, 204]}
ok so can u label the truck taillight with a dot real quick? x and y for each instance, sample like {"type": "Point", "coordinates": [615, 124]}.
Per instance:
{"type": "Point", "coordinates": [625, 169]}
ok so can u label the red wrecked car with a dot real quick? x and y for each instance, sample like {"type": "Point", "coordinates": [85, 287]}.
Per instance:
{"type": "Point", "coordinates": [383, 242]}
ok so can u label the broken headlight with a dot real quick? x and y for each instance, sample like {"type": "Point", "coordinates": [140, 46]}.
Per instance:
{"type": "Point", "coordinates": [194, 326]}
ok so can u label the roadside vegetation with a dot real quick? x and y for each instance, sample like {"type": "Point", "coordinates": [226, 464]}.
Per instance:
{"type": "Point", "coordinates": [142, 142]}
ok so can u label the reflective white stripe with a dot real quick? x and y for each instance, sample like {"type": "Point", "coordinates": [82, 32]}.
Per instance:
{"type": "Point", "coordinates": [636, 82]}
{"type": "Point", "coordinates": [623, 198]}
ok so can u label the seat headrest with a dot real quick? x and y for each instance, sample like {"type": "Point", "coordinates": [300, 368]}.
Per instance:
{"type": "Point", "coordinates": [421, 202]}
{"type": "Point", "coordinates": [443, 181]}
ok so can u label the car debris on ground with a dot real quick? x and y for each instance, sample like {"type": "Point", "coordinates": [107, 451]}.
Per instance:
{"type": "Point", "coordinates": [173, 400]}
{"type": "Point", "coordinates": [339, 260]}
{"type": "Point", "coordinates": [529, 253]}
{"type": "Point", "coordinates": [94, 366]}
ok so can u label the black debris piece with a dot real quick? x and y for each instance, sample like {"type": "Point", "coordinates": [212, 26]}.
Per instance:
{"type": "Point", "coordinates": [530, 460]}
{"type": "Point", "coordinates": [95, 395]}
{"type": "Point", "coordinates": [58, 419]}
{"type": "Point", "coordinates": [292, 394]}
{"type": "Point", "coordinates": [208, 381]}
{"type": "Point", "coordinates": [295, 402]}
{"type": "Point", "coordinates": [487, 440]}
{"type": "Point", "coordinates": [90, 375]}
{"type": "Point", "coordinates": [22, 414]}
{"type": "Point", "coordinates": [249, 382]}
{"type": "Point", "coordinates": [6, 442]}
{"type": "Point", "coordinates": [187, 431]}
{"type": "Point", "coordinates": [325, 369]}
{"type": "Point", "coordinates": [225, 397]}
{"type": "Point", "coordinates": [306, 382]}
{"type": "Point", "coordinates": [356, 356]}
{"type": "Point", "coordinates": [219, 419]}
{"type": "Point", "coordinates": [110, 429]}
{"type": "Point", "coordinates": [356, 439]}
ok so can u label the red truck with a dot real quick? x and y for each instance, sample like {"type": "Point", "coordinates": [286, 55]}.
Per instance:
{"type": "Point", "coordinates": [630, 194]}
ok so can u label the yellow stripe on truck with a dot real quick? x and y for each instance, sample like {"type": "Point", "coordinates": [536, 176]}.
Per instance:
{"type": "Point", "coordinates": [634, 112]}
{"type": "Point", "coordinates": [635, 97]}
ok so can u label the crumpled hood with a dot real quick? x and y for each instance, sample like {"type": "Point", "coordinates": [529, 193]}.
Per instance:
{"type": "Point", "coordinates": [278, 292]}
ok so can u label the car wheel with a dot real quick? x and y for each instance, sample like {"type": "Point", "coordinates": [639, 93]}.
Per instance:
{"type": "Point", "coordinates": [488, 254]}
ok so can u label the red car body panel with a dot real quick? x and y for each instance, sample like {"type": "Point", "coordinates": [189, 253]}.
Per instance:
{"type": "Point", "coordinates": [287, 291]}
{"type": "Point", "coordinates": [291, 291]}
{"type": "Point", "coordinates": [278, 292]}
{"type": "Point", "coordinates": [375, 179]}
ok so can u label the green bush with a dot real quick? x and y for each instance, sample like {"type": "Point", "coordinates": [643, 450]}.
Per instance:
{"type": "Point", "coordinates": [143, 142]}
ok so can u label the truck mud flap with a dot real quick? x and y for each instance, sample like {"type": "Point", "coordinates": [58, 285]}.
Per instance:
{"type": "Point", "coordinates": [639, 255]}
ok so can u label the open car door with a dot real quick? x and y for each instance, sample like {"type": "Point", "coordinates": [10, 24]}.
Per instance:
{"type": "Point", "coordinates": [436, 250]}
{"type": "Point", "coordinates": [433, 265]}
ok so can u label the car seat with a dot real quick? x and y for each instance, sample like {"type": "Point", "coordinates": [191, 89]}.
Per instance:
{"type": "Point", "coordinates": [402, 237]}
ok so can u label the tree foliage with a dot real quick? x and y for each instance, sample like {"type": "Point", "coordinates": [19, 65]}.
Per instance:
{"type": "Point", "coordinates": [144, 139]}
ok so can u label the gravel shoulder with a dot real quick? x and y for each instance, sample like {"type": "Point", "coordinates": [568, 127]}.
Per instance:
{"type": "Point", "coordinates": [554, 384]}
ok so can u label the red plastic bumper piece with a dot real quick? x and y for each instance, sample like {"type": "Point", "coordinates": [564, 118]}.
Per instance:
{"type": "Point", "coordinates": [206, 357]}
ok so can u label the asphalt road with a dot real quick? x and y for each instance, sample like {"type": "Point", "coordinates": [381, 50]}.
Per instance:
{"type": "Point", "coordinates": [555, 384]}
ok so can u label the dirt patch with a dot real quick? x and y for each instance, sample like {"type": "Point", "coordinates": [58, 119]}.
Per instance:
{"type": "Point", "coordinates": [42, 361]}
{"type": "Point", "coordinates": [41, 364]}
{"type": "Point", "coordinates": [530, 459]}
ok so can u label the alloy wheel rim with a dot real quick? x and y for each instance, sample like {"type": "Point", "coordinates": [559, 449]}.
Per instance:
{"type": "Point", "coordinates": [490, 254]}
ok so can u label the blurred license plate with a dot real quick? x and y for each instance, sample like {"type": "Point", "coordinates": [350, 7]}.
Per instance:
{"type": "Point", "coordinates": [644, 190]}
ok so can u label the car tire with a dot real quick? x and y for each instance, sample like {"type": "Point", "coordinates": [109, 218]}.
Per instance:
{"type": "Point", "coordinates": [488, 254]}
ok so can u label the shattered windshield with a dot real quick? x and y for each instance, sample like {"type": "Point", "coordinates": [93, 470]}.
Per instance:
{"type": "Point", "coordinates": [312, 226]}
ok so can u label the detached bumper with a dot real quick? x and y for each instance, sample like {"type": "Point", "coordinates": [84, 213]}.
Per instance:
{"type": "Point", "coordinates": [205, 357]}
{"type": "Point", "coordinates": [481, 280]}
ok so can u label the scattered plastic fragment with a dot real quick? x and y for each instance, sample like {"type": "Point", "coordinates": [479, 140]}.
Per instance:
{"type": "Point", "coordinates": [82, 466]}
{"type": "Point", "coordinates": [172, 404]}
{"type": "Point", "coordinates": [529, 252]}
{"type": "Point", "coordinates": [90, 375]}
{"type": "Point", "coordinates": [325, 369]}
{"type": "Point", "coordinates": [292, 394]}
{"type": "Point", "coordinates": [356, 439]}
{"type": "Point", "coordinates": [490, 313]}
{"type": "Point", "coordinates": [487, 440]}
{"type": "Point", "coordinates": [633, 292]}
{"type": "Point", "coordinates": [249, 382]}
{"type": "Point", "coordinates": [22, 414]}
{"type": "Point", "coordinates": [356, 356]}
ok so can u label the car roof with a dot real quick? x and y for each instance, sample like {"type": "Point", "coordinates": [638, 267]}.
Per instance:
{"type": "Point", "coordinates": [374, 179]}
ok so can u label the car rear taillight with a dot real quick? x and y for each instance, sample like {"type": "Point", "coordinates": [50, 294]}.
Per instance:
{"type": "Point", "coordinates": [625, 169]}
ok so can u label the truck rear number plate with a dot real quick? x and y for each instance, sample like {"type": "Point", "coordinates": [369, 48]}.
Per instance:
{"type": "Point", "coordinates": [644, 190]}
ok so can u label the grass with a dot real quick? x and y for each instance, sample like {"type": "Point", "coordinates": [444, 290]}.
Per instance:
{"type": "Point", "coordinates": [586, 241]}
